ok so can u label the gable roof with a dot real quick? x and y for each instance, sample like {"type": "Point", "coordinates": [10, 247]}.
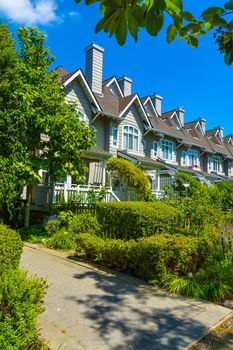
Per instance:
{"type": "Point", "coordinates": [67, 78]}
{"type": "Point", "coordinates": [113, 80]}
{"type": "Point", "coordinates": [147, 100]}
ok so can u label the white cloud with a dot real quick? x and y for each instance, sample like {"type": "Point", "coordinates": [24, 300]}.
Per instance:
{"type": "Point", "coordinates": [72, 13]}
{"type": "Point", "coordinates": [29, 12]}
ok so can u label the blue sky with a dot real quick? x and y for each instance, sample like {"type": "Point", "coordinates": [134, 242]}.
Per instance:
{"type": "Point", "coordinates": [196, 79]}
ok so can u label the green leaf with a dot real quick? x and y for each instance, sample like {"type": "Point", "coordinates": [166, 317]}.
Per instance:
{"type": "Point", "coordinates": [229, 5]}
{"type": "Point", "coordinates": [211, 12]}
{"type": "Point", "coordinates": [174, 6]}
{"type": "Point", "coordinates": [160, 4]}
{"type": "Point", "coordinates": [208, 26]}
{"type": "Point", "coordinates": [133, 25]}
{"type": "Point", "coordinates": [154, 22]}
{"type": "Point", "coordinates": [121, 31]}
{"type": "Point", "coordinates": [192, 41]}
{"type": "Point", "coordinates": [171, 33]}
{"type": "Point", "coordinates": [219, 21]}
{"type": "Point", "coordinates": [188, 16]}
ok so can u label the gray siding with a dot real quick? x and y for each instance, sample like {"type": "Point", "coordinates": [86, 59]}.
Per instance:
{"type": "Point", "coordinates": [94, 68]}
{"type": "Point", "coordinates": [75, 94]}
{"type": "Point", "coordinates": [100, 126]}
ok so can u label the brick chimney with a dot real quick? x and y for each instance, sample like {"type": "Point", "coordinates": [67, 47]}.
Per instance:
{"type": "Point", "coordinates": [94, 67]}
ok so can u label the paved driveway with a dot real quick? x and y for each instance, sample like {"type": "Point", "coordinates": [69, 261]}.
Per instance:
{"type": "Point", "coordinates": [92, 309]}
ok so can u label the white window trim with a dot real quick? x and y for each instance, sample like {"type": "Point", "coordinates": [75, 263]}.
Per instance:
{"type": "Point", "coordinates": [194, 151]}
{"type": "Point", "coordinates": [183, 160]}
{"type": "Point", "coordinates": [117, 141]}
{"type": "Point", "coordinates": [216, 159]}
{"type": "Point", "coordinates": [78, 111]}
{"type": "Point", "coordinates": [131, 126]}
{"type": "Point", "coordinates": [173, 151]}
{"type": "Point", "coordinates": [230, 168]}
{"type": "Point", "coordinates": [152, 151]}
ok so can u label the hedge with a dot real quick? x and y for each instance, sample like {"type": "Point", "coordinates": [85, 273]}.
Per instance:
{"type": "Point", "coordinates": [132, 220]}
{"type": "Point", "coordinates": [10, 248]}
{"type": "Point", "coordinates": [149, 258]}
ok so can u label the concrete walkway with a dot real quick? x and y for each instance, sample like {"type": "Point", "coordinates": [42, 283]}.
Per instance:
{"type": "Point", "coordinates": [92, 309]}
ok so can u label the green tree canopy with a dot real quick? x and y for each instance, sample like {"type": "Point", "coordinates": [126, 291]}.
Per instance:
{"type": "Point", "coordinates": [38, 130]}
{"type": "Point", "coordinates": [122, 16]}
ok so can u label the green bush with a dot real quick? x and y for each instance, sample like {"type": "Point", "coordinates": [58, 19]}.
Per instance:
{"type": "Point", "coordinates": [52, 225]}
{"type": "Point", "coordinates": [214, 281]}
{"type": "Point", "coordinates": [10, 248]}
{"type": "Point", "coordinates": [33, 234]}
{"type": "Point", "coordinates": [198, 218]}
{"type": "Point", "coordinates": [131, 220]}
{"type": "Point", "coordinates": [21, 303]}
{"type": "Point", "coordinates": [62, 239]}
{"type": "Point", "coordinates": [84, 222]}
{"type": "Point", "coordinates": [149, 258]}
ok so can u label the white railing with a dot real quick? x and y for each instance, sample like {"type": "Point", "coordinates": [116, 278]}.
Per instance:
{"type": "Point", "coordinates": [83, 193]}
{"type": "Point", "coordinates": [158, 194]}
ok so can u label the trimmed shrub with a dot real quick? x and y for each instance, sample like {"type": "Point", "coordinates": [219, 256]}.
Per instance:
{"type": "Point", "coordinates": [132, 220]}
{"type": "Point", "coordinates": [21, 303]}
{"type": "Point", "coordinates": [155, 256]}
{"type": "Point", "coordinates": [10, 248]}
{"type": "Point", "coordinates": [114, 253]}
{"type": "Point", "coordinates": [149, 258]}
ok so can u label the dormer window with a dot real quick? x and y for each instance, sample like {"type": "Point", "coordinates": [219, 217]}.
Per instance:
{"type": "Point", "coordinates": [113, 91]}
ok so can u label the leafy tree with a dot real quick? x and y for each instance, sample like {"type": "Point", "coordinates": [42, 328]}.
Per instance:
{"type": "Point", "coordinates": [38, 130]}
{"type": "Point", "coordinates": [122, 16]}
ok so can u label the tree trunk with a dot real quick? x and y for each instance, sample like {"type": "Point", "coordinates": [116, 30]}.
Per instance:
{"type": "Point", "coordinates": [27, 206]}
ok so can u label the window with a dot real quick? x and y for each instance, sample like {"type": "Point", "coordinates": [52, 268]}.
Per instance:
{"type": "Point", "coordinates": [216, 163]}
{"type": "Point", "coordinates": [183, 157]}
{"type": "Point", "coordinates": [231, 168]}
{"type": "Point", "coordinates": [114, 137]}
{"type": "Point", "coordinates": [193, 157]}
{"type": "Point", "coordinates": [81, 115]}
{"type": "Point", "coordinates": [167, 150]}
{"type": "Point", "coordinates": [130, 138]}
{"type": "Point", "coordinates": [155, 150]}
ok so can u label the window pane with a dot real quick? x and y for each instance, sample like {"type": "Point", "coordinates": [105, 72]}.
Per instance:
{"type": "Point", "coordinates": [125, 141]}
{"type": "Point", "coordinates": [130, 146]}
{"type": "Point", "coordinates": [135, 143]}
{"type": "Point", "coordinates": [114, 136]}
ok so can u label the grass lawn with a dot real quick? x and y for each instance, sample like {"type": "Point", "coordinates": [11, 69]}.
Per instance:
{"type": "Point", "coordinates": [219, 339]}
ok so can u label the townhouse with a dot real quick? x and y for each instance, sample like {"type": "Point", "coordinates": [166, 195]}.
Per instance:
{"type": "Point", "coordinates": [136, 129]}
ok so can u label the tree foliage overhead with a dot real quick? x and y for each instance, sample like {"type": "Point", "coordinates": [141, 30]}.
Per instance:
{"type": "Point", "coordinates": [122, 16]}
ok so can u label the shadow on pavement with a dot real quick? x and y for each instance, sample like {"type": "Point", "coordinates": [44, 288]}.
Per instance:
{"type": "Point", "coordinates": [129, 317]}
